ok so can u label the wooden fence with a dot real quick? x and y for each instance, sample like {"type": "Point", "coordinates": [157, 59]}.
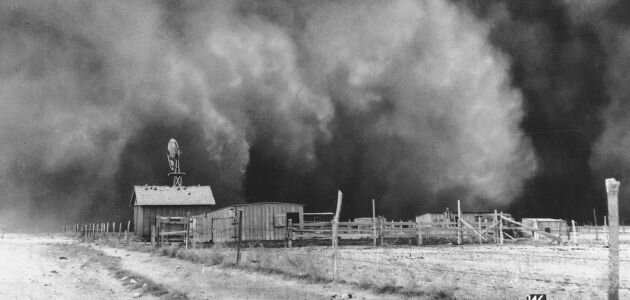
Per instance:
{"type": "Point", "coordinates": [171, 230]}
{"type": "Point", "coordinates": [93, 231]}
{"type": "Point", "coordinates": [380, 229]}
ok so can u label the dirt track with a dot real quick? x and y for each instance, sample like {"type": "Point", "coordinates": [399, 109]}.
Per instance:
{"type": "Point", "coordinates": [34, 268]}
{"type": "Point", "coordinates": [37, 267]}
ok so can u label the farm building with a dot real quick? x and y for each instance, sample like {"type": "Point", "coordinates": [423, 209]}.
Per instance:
{"type": "Point", "coordinates": [263, 221]}
{"type": "Point", "coordinates": [475, 217]}
{"type": "Point", "coordinates": [450, 217]}
{"type": "Point", "coordinates": [174, 201]}
{"type": "Point", "coordinates": [434, 218]}
{"type": "Point", "coordinates": [318, 217]}
{"type": "Point", "coordinates": [554, 226]}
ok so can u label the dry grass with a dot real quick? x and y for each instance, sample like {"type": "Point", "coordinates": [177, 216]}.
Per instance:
{"type": "Point", "coordinates": [133, 280]}
{"type": "Point", "coordinates": [309, 263]}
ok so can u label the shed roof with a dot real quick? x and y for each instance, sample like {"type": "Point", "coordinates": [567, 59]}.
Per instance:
{"type": "Point", "coordinates": [169, 195]}
{"type": "Point", "coordinates": [259, 203]}
{"type": "Point", "coordinates": [544, 219]}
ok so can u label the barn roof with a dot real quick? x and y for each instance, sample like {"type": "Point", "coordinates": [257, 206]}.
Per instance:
{"type": "Point", "coordinates": [168, 195]}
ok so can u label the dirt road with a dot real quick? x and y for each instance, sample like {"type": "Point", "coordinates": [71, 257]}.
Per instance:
{"type": "Point", "coordinates": [46, 267]}
{"type": "Point", "coordinates": [33, 267]}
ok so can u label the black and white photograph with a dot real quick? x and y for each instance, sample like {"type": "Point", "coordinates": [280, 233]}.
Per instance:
{"type": "Point", "coordinates": [315, 149]}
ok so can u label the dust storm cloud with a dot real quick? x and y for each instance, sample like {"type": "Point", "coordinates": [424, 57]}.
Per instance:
{"type": "Point", "coordinates": [414, 103]}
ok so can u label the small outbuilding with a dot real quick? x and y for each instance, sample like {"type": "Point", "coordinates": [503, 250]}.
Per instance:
{"type": "Point", "coordinates": [447, 218]}
{"type": "Point", "coordinates": [173, 201]}
{"type": "Point", "coordinates": [553, 226]}
{"type": "Point", "coordinates": [263, 221]}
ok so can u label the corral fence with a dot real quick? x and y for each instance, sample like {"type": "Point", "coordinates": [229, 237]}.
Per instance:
{"type": "Point", "coordinates": [94, 231]}
{"type": "Point", "coordinates": [171, 230]}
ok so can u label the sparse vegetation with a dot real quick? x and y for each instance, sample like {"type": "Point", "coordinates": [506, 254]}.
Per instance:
{"type": "Point", "coordinates": [131, 279]}
{"type": "Point", "coordinates": [310, 264]}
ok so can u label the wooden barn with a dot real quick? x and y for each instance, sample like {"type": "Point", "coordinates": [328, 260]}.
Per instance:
{"type": "Point", "coordinates": [264, 221]}
{"type": "Point", "coordinates": [172, 201]}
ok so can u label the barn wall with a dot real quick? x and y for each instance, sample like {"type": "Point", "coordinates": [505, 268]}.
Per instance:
{"type": "Point", "coordinates": [556, 227]}
{"type": "Point", "coordinates": [137, 218]}
{"type": "Point", "coordinates": [258, 222]}
{"type": "Point", "coordinates": [146, 215]}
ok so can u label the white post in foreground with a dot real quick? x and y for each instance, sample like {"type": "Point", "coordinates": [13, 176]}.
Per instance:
{"type": "Point", "coordinates": [335, 226]}
{"type": "Point", "coordinates": [612, 189]}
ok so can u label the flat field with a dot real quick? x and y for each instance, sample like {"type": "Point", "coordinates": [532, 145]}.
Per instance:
{"type": "Point", "coordinates": [33, 269]}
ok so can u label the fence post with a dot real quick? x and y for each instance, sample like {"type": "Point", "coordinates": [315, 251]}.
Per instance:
{"type": "Point", "coordinates": [479, 226]}
{"type": "Point", "coordinates": [335, 225]}
{"type": "Point", "coordinates": [374, 223]}
{"type": "Point", "coordinates": [459, 223]}
{"type": "Point", "coordinates": [419, 233]}
{"type": "Point", "coordinates": [496, 231]}
{"type": "Point", "coordinates": [501, 228]}
{"type": "Point", "coordinates": [612, 189]}
{"type": "Point", "coordinates": [240, 235]}
{"type": "Point", "coordinates": [595, 220]}
{"type": "Point", "coordinates": [574, 232]}
{"type": "Point", "coordinates": [380, 230]}
{"type": "Point", "coordinates": [289, 233]}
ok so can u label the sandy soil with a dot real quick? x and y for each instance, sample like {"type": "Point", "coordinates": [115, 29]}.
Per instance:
{"type": "Point", "coordinates": [31, 268]}
{"type": "Point", "coordinates": [511, 271]}
{"type": "Point", "coordinates": [199, 281]}
{"type": "Point", "coordinates": [46, 267]}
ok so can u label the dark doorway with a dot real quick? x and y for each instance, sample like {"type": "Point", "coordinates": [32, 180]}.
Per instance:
{"type": "Point", "coordinates": [294, 217]}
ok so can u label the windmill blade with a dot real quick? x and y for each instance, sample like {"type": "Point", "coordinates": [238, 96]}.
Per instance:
{"type": "Point", "coordinates": [173, 149]}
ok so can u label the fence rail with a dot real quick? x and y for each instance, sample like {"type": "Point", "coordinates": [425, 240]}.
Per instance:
{"type": "Point", "coordinates": [171, 230]}
{"type": "Point", "coordinates": [93, 231]}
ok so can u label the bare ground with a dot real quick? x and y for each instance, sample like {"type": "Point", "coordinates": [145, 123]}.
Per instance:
{"type": "Point", "coordinates": [34, 267]}
{"type": "Point", "coordinates": [46, 267]}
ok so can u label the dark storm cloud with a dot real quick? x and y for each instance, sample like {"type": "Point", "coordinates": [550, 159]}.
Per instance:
{"type": "Point", "coordinates": [405, 101]}
{"type": "Point", "coordinates": [570, 61]}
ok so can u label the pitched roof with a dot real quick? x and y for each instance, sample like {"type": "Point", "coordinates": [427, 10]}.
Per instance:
{"type": "Point", "coordinates": [168, 195]}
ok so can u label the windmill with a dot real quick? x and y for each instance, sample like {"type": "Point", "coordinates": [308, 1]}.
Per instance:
{"type": "Point", "coordinates": [173, 162]}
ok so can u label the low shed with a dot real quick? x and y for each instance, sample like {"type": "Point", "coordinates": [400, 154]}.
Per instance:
{"type": "Point", "coordinates": [178, 201]}
{"type": "Point", "coordinates": [449, 217]}
{"type": "Point", "coordinates": [263, 221]}
{"type": "Point", "coordinates": [554, 226]}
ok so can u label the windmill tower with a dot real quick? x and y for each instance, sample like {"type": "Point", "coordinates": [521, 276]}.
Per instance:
{"type": "Point", "coordinates": [173, 162]}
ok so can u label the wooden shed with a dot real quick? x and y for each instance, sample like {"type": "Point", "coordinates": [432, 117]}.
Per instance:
{"type": "Point", "coordinates": [553, 226]}
{"type": "Point", "coordinates": [263, 221]}
{"type": "Point", "coordinates": [450, 217]}
{"type": "Point", "coordinates": [172, 201]}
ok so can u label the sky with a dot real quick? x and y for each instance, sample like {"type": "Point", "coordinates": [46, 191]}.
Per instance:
{"type": "Point", "coordinates": [518, 106]}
